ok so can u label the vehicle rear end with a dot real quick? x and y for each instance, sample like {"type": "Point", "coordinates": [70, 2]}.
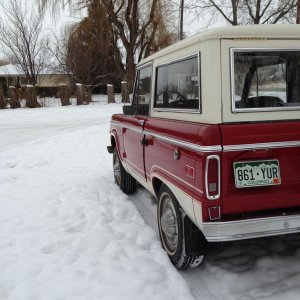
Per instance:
{"type": "Point", "coordinates": [260, 133]}
{"type": "Point", "coordinates": [260, 169]}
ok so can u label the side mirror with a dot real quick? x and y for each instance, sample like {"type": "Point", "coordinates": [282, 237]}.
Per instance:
{"type": "Point", "coordinates": [128, 110]}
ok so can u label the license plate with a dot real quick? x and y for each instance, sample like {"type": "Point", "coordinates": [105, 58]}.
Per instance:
{"type": "Point", "coordinates": [256, 173]}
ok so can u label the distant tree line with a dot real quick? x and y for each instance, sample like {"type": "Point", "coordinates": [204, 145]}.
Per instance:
{"type": "Point", "coordinates": [106, 45]}
{"type": "Point", "coordinates": [140, 27]}
{"type": "Point", "coordinates": [103, 48]}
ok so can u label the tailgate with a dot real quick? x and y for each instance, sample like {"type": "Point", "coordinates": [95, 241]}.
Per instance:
{"type": "Point", "coordinates": [269, 151]}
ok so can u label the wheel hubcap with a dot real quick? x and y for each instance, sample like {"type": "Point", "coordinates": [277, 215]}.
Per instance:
{"type": "Point", "coordinates": [169, 227]}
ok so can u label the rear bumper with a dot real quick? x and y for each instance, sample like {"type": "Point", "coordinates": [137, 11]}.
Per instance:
{"type": "Point", "coordinates": [252, 228]}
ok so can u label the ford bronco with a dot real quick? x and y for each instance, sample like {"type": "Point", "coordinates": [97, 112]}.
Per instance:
{"type": "Point", "coordinates": [213, 132]}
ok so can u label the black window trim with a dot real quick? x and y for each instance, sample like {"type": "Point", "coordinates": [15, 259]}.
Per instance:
{"type": "Point", "coordinates": [135, 88]}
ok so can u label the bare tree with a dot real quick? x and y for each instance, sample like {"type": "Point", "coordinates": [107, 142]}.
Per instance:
{"type": "Point", "coordinates": [268, 11]}
{"type": "Point", "coordinates": [2, 101]}
{"type": "Point", "coordinates": [298, 12]}
{"type": "Point", "coordinates": [161, 32]}
{"type": "Point", "coordinates": [126, 17]}
{"type": "Point", "coordinates": [88, 51]}
{"type": "Point", "coordinates": [238, 12]}
{"type": "Point", "coordinates": [22, 39]}
{"type": "Point", "coordinates": [134, 22]}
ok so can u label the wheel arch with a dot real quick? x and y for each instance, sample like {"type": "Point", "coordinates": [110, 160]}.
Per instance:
{"type": "Point", "coordinates": [113, 138]}
{"type": "Point", "coordinates": [115, 142]}
{"type": "Point", "coordinates": [156, 184]}
{"type": "Point", "coordinates": [184, 200]}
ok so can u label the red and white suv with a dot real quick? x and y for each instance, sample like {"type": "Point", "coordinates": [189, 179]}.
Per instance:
{"type": "Point", "coordinates": [213, 132]}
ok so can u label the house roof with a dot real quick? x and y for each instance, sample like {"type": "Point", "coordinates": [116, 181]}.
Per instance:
{"type": "Point", "coordinates": [11, 70]}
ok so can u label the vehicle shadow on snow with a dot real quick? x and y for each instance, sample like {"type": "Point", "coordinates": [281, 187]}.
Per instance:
{"type": "Point", "coordinates": [267, 268]}
{"type": "Point", "coordinates": [262, 262]}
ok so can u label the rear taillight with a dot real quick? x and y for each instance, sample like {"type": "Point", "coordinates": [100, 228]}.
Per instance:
{"type": "Point", "coordinates": [212, 177]}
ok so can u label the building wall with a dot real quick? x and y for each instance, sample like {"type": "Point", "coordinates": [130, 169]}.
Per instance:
{"type": "Point", "coordinates": [54, 80]}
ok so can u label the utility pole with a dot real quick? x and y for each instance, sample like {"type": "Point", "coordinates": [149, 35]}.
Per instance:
{"type": "Point", "coordinates": [181, 19]}
{"type": "Point", "coordinates": [298, 12]}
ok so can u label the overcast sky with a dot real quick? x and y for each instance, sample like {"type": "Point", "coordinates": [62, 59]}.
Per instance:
{"type": "Point", "coordinates": [56, 22]}
{"type": "Point", "coordinates": [53, 22]}
{"type": "Point", "coordinates": [65, 16]}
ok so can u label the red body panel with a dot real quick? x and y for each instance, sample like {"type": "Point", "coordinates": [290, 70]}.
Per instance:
{"type": "Point", "coordinates": [160, 156]}
{"type": "Point", "coordinates": [131, 131]}
{"type": "Point", "coordinates": [116, 131]}
{"type": "Point", "coordinates": [164, 157]}
{"type": "Point", "coordinates": [287, 194]}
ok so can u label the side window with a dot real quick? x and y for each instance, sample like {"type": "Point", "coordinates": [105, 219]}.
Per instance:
{"type": "Point", "coordinates": [178, 85]}
{"type": "Point", "coordinates": [142, 92]}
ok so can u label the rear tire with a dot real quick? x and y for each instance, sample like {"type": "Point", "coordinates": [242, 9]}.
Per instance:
{"type": "Point", "coordinates": [124, 180]}
{"type": "Point", "coordinates": [171, 220]}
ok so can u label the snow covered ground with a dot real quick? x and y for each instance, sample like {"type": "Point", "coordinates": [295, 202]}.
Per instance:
{"type": "Point", "coordinates": [68, 233]}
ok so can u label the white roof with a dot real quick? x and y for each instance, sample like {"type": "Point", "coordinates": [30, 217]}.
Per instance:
{"type": "Point", "coordinates": [11, 70]}
{"type": "Point", "coordinates": [16, 70]}
{"type": "Point", "coordinates": [268, 31]}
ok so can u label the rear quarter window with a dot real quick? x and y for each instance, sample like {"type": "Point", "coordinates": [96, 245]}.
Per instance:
{"type": "Point", "coordinates": [178, 85]}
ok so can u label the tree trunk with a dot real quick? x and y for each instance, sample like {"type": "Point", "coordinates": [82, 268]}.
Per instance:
{"type": "Point", "coordinates": [2, 101]}
{"type": "Point", "coordinates": [257, 15]}
{"type": "Point", "coordinates": [83, 94]}
{"type": "Point", "coordinates": [31, 97]}
{"type": "Point", "coordinates": [234, 12]}
{"type": "Point", "coordinates": [298, 12]}
{"type": "Point", "coordinates": [130, 71]}
{"type": "Point", "coordinates": [110, 94]}
{"type": "Point", "coordinates": [88, 95]}
{"type": "Point", "coordinates": [80, 94]}
{"type": "Point", "coordinates": [124, 89]}
{"type": "Point", "coordinates": [181, 20]}
{"type": "Point", "coordinates": [64, 94]}
{"type": "Point", "coordinates": [14, 101]}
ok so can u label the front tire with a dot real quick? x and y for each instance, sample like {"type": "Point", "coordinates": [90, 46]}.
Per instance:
{"type": "Point", "coordinates": [124, 180]}
{"type": "Point", "coordinates": [171, 220]}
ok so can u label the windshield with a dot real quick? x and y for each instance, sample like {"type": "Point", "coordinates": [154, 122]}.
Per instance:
{"type": "Point", "coordinates": [265, 79]}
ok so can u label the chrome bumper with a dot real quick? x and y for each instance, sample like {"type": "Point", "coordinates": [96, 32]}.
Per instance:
{"type": "Point", "coordinates": [252, 228]}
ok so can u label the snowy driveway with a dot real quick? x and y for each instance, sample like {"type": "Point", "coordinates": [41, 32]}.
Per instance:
{"type": "Point", "coordinates": [67, 232]}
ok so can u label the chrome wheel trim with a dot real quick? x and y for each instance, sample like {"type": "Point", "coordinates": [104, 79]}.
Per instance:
{"type": "Point", "coordinates": [168, 224]}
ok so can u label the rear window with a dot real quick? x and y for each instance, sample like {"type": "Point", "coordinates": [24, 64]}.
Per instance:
{"type": "Point", "coordinates": [265, 80]}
